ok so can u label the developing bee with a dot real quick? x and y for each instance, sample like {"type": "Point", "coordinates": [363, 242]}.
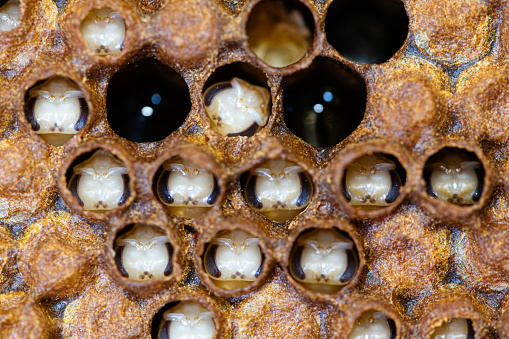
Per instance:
{"type": "Point", "coordinates": [56, 110]}
{"type": "Point", "coordinates": [144, 253]}
{"type": "Point", "coordinates": [186, 189]}
{"type": "Point", "coordinates": [373, 325]}
{"type": "Point", "coordinates": [323, 260]}
{"type": "Point", "coordinates": [455, 176]}
{"type": "Point", "coordinates": [236, 107]}
{"type": "Point", "coordinates": [456, 328]}
{"type": "Point", "coordinates": [187, 320]}
{"type": "Point", "coordinates": [371, 181]}
{"type": "Point", "coordinates": [100, 183]}
{"type": "Point", "coordinates": [104, 31]}
{"type": "Point", "coordinates": [278, 189]}
{"type": "Point", "coordinates": [9, 15]}
{"type": "Point", "coordinates": [233, 257]}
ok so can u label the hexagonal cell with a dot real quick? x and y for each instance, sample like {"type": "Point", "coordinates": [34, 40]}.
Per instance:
{"type": "Point", "coordinates": [280, 32]}
{"type": "Point", "coordinates": [9, 15]}
{"type": "Point", "coordinates": [373, 181]}
{"type": "Point", "coordinates": [99, 181]}
{"type": "Point", "coordinates": [233, 259]}
{"type": "Point", "coordinates": [325, 103]}
{"type": "Point", "coordinates": [456, 328]}
{"type": "Point", "coordinates": [143, 252]}
{"type": "Point", "coordinates": [278, 189]}
{"type": "Point", "coordinates": [454, 175]}
{"type": "Point", "coordinates": [323, 260]}
{"type": "Point", "coordinates": [185, 189]}
{"type": "Point", "coordinates": [184, 319]}
{"type": "Point", "coordinates": [367, 31]}
{"type": "Point", "coordinates": [103, 30]}
{"type": "Point", "coordinates": [147, 101]}
{"type": "Point", "coordinates": [56, 109]}
{"type": "Point", "coordinates": [373, 325]}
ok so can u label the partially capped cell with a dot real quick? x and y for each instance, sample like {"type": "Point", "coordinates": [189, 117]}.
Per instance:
{"type": "Point", "coordinates": [104, 31]}
{"type": "Point", "coordinates": [454, 175]}
{"type": "Point", "coordinates": [323, 260]}
{"type": "Point", "coordinates": [233, 259]}
{"type": "Point", "coordinates": [236, 107]}
{"type": "Point", "coordinates": [373, 325]}
{"type": "Point", "coordinates": [280, 32]}
{"type": "Point", "coordinates": [100, 183]}
{"type": "Point", "coordinates": [144, 253]}
{"type": "Point", "coordinates": [10, 15]}
{"type": "Point", "coordinates": [56, 110]}
{"type": "Point", "coordinates": [455, 328]}
{"type": "Point", "coordinates": [278, 189]}
{"type": "Point", "coordinates": [187, 320]}
{"type": "Point", "coordinates": [187, 190]}
{"type": "Point", "coordinates": [371, 181]}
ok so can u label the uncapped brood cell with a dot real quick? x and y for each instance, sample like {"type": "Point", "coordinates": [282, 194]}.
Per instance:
{"type": "Point", "coordinates": [187, 320]}
{"type": "Point", "coordinates": [323, 260]}
{"type": "Point", "coordinates": [186, 189]}
{"type": "Point", "coordinates": [56, 110]}
{"type": "Point", "coordinates": [371, 181]}
{"type": "Point", "coordinates": [236, 107]}
{"type": "Point", "coordinates": [373, 325]}
{"type": "Point", "coordinates": [455, 176]}
{"type": "Point", "coordinates": [100, 183]}
{"type": "Point", "coordinates": [144, 253]}
{"type": "Point", "coordinates": [104, 31]}
{"type": "Point", "coordinates": [456, 328]}
{"type": "Point", "coordinates": [278, 189]}
{"type": "Point", "coordinates": [9, 15]}
{"type": "Point", "coordinates": [233, 259]}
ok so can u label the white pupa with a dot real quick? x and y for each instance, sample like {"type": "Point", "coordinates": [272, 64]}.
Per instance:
{"type": "Point", "coordinates": [100, 183]}
{"type": "Point", "coordinates": [456, 328]}
{"type": "Point", "coordinates": [10, 15]}
{"type": "Point", "coordinates": [236, 107]}
{"type": "Point", "coordinates": [373, 325]}
{"type": "Point", "coordinates": [144, 253]}
{"type": "Point", "coordinates": [187, 320]}
{"type": "Point", "coordinates": [104, 31]}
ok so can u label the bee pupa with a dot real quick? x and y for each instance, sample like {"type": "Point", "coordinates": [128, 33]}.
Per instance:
{"type": "Point", "coordinates": [278, 189]}
{"type": "Point", "coordinates": [233, 259]}
{"type": "Point", "coordinates": [104, 31]}
{"type": "Point", "coordinates": [236, 107]}
{"type": "Point", "coordinates": [323, 260]}
{"type": "Point", "coordinates": [56, 110]}
{"type": "Point", "coordinates": [144, 253]}
{"type": "Point", "coordinates": [10, 15]}
{"type": "Point", "coordinates": [373, 325]}
{"type": "Point", "coordinates": [187, 320]}
{"type": "Point", "coordinates": [100, 183]}
{"type": "Point", "coordinates": [456, 328]}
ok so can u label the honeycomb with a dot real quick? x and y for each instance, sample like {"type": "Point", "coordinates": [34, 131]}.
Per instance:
{"type": "Point", "coordinates": [401, 80]}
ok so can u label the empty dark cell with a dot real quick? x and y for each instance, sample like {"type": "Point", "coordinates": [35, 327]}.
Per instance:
{"type": "Point", "coordinates": [147, 101]}
{"type": "Point", "coordinates": [324, 103]}
{"type": "Point", "coordinates": [367, 31]}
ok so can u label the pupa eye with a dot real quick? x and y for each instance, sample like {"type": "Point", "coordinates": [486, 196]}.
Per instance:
{"type": "Point", "coordinates": [454, 175]}
{"type": "Point", "coordinates": [278, 189]}
{"type": "Point", "coordinates": [373, 324]}
{"type": "Point", "coordinates": [186, 189]}
{"type": "Point", "coordinates": [185, 318]}
{"type": "Point", "coordinates": [56, 121]}
{"type": "Point", "coordinates": [233, 259]}
{"type": "Point", "coordinates": [371, 181]}
{"type": "Point", "coordinates": [236, 107]}
{"type": "Point", "coordinates": [323, 260]}
{"type": "Point", "coordinates": [104, 31]}
{"type": "Point", "coordinates": [144, 253]}
{"type": "Point", "coordinates": [10, 15]}
{"type": "Point", "coordinates": [455, 328]}
{"type": "Point", "coordinates": [100, 183]}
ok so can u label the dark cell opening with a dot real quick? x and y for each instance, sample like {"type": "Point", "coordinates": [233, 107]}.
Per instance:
{"type": "Point", "coordinates": [324, 103]}
{"type": "Point", "coordinates": [367, 31]}
{"type": "Point", "coordinates": [147, 101]}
